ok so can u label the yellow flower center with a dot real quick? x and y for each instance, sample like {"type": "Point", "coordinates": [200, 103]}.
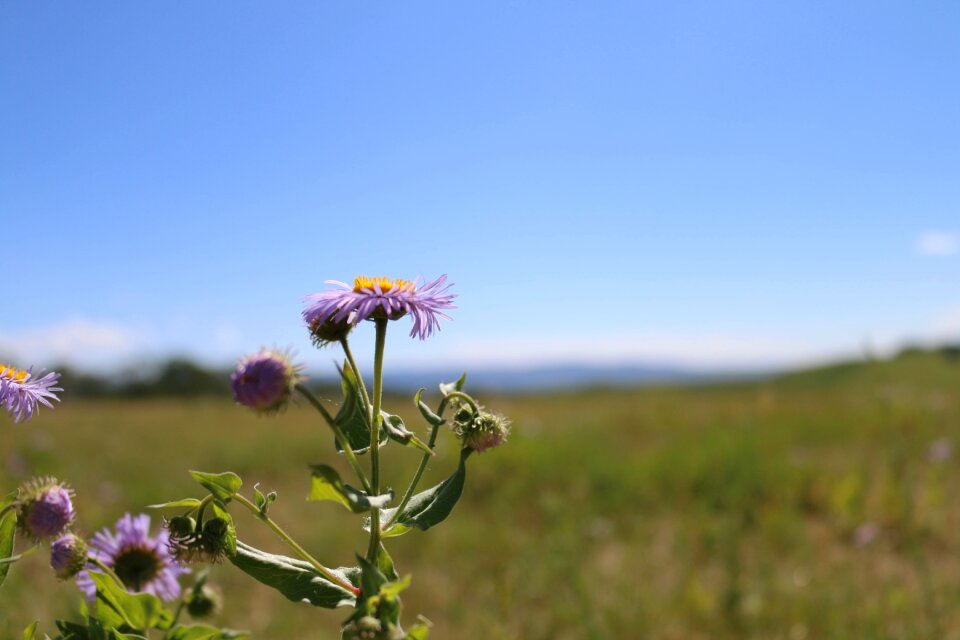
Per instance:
{"type": "Point", "coordinates": [11, 373]}
{"type": "Point", "coordinates": [386, 284]}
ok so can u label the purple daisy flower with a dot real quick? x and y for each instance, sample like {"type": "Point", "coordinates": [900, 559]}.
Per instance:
{"type": "Point", "coordinates": [144, 564]}
{"type": "Point", "coordinates": [21, 391]}
{"type": "Point", "coordinates": [264, 381]}
{"type": "Point", "coordinates": [382, 298]}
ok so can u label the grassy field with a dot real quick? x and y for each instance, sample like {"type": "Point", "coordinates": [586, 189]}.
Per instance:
{"type": "Point", "coordinates": [819, 505]}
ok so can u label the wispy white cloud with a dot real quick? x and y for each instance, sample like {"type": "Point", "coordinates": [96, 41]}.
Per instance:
{"type": "Point", "coordinates": [938, 243]}
{"type": "Point", "coordinates": [77, 341]}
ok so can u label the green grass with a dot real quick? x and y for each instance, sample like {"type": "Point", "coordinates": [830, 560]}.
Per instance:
{"type": "Point", "coordinates": [726, 511]}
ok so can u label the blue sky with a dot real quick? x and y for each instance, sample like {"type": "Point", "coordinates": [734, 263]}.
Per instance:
{"type": "Point", "coordinates": [715, 184]}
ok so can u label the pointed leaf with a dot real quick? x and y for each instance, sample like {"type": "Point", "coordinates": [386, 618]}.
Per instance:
{"type": "Point", "coordinates": [8, 533]}
{"type": "Point", "coordinates": [447, 387]}
{"type": "Point", "coordinates": [139, 610]}
{"type": "Point", "coordinates": [426, 411]}
{"type": "Point", "coordinates": [189, 503]}
{"type": "Point", "coordinates": [352, 417]}
{"type": "Point", "coordinates": [222, 485]}
{"type": "Point", "coordinates": [385, 564]}
{"type": "Point", "coordinates": [431, 507]}
{"type": "Point", "coordinates": [326, 484]}
{"type": "Point", "coordinates": [295, 579]}
{"type": "Point", "coordinates": [371, 578]}
{"type": "Point", "coordinates": [231, 537]}
{"type": "Point", "coordinates": [398, 431]}
{"type": "Point", "coordinates": [31, 631]}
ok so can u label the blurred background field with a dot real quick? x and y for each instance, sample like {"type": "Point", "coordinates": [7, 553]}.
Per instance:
{"type": "Point", "coordinates": [816, 504]}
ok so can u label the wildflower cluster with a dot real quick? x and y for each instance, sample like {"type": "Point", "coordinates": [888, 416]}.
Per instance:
{"type": "Point", "coordinates": [127, 573]}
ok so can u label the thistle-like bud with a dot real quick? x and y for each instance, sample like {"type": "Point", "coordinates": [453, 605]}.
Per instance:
{"type": "Point", "coordinates": [206, 545]}
{"type": "Point", "coordinates": [68, 556]}
{"type": "Point", "coordinates": [46, 508]}
{"type": "Point", "coordinates": [329, 330]}
{"type": "Point", "coordinates": [203, 601]}
{"type": "Point", "coordinates": [481, 431]}
{"type": "Point", "coordinates": [265, 381]}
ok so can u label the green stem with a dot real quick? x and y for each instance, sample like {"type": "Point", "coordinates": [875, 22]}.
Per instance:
{"type": "Point", "coordinates": [19, 556]}
{"type": "Point", "coordinates": [107, 570]}
{"type": "Point", "coordinates": [381, 324]}
{"type": "Point", "coordinates": [338, 433]}
{"type": "Point", "coordinates": [416, 477]}
{"type": "Point", "coordinates": [290, 542]}
{"type": "Point", "coordinates": [457, 395]}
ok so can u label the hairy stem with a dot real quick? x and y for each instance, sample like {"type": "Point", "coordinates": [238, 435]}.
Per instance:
{"type": "Point", "coordinates": [375, 418]}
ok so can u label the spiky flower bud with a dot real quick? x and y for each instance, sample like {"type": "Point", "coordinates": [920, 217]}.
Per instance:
{"type": "Point", "coordinates": [46, 508]}
{"type": "Point", "coordinates": [68, 556]}
{"type": "Point", "coordinates": [329, 330]}
{"type": "Point", "coordinates": [265, 381]}
{"type": "Point", "coordinates": [188, 544]}
{"type": "Point", "coordinates": [481, 431]}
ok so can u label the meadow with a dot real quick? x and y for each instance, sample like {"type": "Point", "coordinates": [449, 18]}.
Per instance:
{"type": "Point", "coordinates": [821, 504]}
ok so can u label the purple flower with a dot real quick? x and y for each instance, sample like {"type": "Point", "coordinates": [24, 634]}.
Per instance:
{"type": "Point", "coordinates": [68, 556]}
{"type": "Point", "coordinates": [382, 298]}
{"type": "Point", "coordinates": [143, 563]}
{"type": "Point", "coordinates": [264, 381]}
{"type": "Point", "coordinates": [21, 392]}
{"type": "Point", "coordinates": [46, 508]}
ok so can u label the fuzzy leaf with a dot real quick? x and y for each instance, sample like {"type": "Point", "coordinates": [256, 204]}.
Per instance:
{"type": "Point", "coordinates": [447, 387]}
{"type": "Point", "coordinates": [8, 533]}
{"type": "Point", "coordinates": [426, 411]}
{"type": "Point", "coordinates": [352, 417]}
{"type": "Point", "coordinates": [326, 484]}
{"type": "Point", "coordinates": [222, 485]}
{"type": "Point", "coordinates": [431, 507]}
{"type": "Point", "coordinates": [295, 579]}
{"type": "Point", "coordinates": [139, 610]}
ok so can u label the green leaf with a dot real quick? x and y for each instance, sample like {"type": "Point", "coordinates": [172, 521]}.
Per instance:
{"type": "Point", "coordinates": [447, 387]}
{"type": "Point", "coordinates": [426, 411]}
{"type": "Point", "coordinates": [295, 579]}
{"type": "Point", "coordinates": [419, 630]}
{"type": "Point", "coordinates": [352, 417]}
{"type": "Point", "coordinates": [325, 484]}
{"type": "Point", "coordinates": [8, 533]}
{"type": "Point", "coordinates": [189, 503]}
{"type": "Point", "coordinates": [204, 632]}
{"type": "Point", "coordinates": [222, 485]}
{"type": "Point", "coordinates": [385, 563]}
{"type": "Point", "coordinates": [371, 578]}
{"type": "Point", "coordinates": [138, 610]}
{"type": "Point", "coordinates": [431, 507]}
{"type": "Point", "coordinates": [31, 631]}
{"type": "Point", "coordinates": [398, 431]}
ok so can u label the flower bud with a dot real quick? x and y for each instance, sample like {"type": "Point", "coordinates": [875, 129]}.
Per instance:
{"type": "Point", "coordinates": [189, 545]}
{"type": "Point", "coordinates": [329, 330]}
{"type": "Point", "coordinates": [265, 381]}
{"type": "Point", "coordinates": [68, 556]}
{"type": "Point", "coordinates": [481, 431]}
{"type": "Point", "coordinates": [203, 602]}
{"type": "Point", "coordinates": [46, 508]}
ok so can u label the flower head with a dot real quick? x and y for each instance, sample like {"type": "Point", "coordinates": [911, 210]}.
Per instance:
{"type": "Point", "coordinates": [46, 508]}
{"type": "Point", "coordinates": [189, 543]}
{"type": "Point", "coordinates": [21, 392]}
{"type": "Point", "coordinates": [141, 561]}
{"type": "Point", "coordinates": [381, 298]}
{"type": "Point", "coordinates": [265, 381]}
{"type": "Point", "coordinates": [68, 556]}
{"type": "Point", "coordinates": [481, 431]}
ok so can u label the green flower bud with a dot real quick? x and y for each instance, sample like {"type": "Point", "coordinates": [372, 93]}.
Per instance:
{"type": "Point", "coordinates": [203, 602]}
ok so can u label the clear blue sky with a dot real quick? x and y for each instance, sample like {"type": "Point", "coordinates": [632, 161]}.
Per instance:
{"type": "Point", "coordinates": [712, 183]}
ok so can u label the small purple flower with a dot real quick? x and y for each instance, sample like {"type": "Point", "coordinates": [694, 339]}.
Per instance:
{"type": "Point", "coordinates": [46, 508]}
{"type": "Point", "coordinates": [382, 298]}
{"type": "Point", "coordinates": [264, 381]}
{"type": "Point", "coordinates": [143, 563]}
{"type": "Point", "coordinates": [68, 556]}
{"type": "Point", "coordinates": [21, 392]}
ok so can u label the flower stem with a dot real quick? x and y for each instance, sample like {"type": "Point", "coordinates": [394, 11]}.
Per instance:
{"type": "Point", "coordinates": [107, 570]}
{"type": "Point", "coordinates": [19, 556]}
{"type": "Point", "coordinates": [338, 433]}
{"type": "Point", "coordinates": [416, 477]}
{"type": "Point", "coordinates": [375, 418]}
{"type": "Point", "coordinates": [290, 542]}
{"type": "Point", "coordinates": [457, 395]}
